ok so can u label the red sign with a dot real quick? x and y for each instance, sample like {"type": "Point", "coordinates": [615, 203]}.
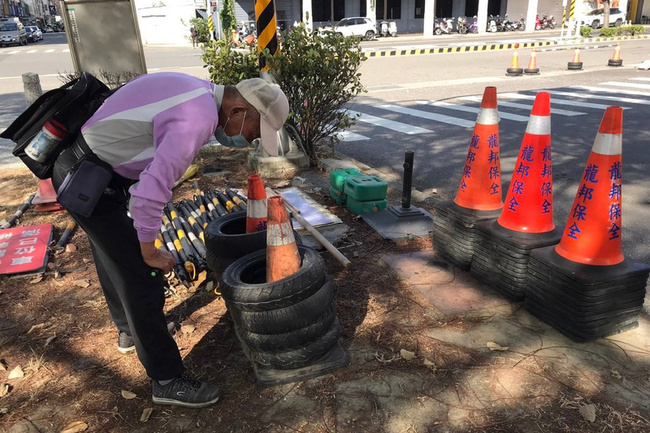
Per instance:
{"type": "Point", "coordinates": [24, 249]}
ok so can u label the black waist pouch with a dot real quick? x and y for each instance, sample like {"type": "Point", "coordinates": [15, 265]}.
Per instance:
{"type": "Point", "coordinates": [84, 185]}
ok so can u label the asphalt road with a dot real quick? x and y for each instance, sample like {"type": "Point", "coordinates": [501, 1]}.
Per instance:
{"type": "Point", "coordinates": [427, 103]}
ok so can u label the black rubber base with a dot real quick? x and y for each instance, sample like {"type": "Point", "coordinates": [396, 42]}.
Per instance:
{"type": "Point", "coordinates": [514, 72]}
{"type": "Point", "coordinates": [531, 71]}
{"type": "Point", "coordinates": [336, 358]}
{"type": "Point", "coordinates": [574, 66]}
{"type": "Point", "coordinates": [618, 62]}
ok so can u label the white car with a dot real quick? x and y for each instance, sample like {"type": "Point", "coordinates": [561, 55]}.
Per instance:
{"type": "Point", "coordinates": [596, 18]}
{"type": "Point", "coordinates": [355, 26]}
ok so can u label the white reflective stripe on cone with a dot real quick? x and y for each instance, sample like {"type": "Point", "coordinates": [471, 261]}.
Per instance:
{"type": "Point", "coordinates": [256, 208]}
{"type": "Point", "coordinates": [278, 235]}
{"type": "Point", "coordinates": [539, 125]}
{"type": "Point", "coordinates": [488, 116]}
{"type": "Point", "coordinates": [608, 144]}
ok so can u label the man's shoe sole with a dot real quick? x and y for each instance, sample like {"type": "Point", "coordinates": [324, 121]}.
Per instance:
{"type": "Point", "coordinates": [125, 350]}
{"type": "Point", "coordinates": [172, 402]}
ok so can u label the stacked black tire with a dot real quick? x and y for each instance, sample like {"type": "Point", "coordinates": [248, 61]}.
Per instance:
{"type": "Point", "coordinates": [286, 324]}
{"type": "Point", "coordinates": [226, 240]}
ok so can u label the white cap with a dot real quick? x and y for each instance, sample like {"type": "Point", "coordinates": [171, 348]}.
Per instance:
{"type": "Point", "coordinates": [270, 101]}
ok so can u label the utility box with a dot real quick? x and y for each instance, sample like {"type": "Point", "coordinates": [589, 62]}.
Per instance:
{"type": "Point", "coordinates": [104, 38]}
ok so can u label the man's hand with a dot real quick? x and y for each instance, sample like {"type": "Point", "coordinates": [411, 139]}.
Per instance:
{"type": "Point", "coordinates": [156, 258]}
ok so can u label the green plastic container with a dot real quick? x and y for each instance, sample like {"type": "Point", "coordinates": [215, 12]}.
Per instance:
{"type": "Point", "coordinates": [361, 207]}
{"type": "Point", "coordinates": [337, 195]}
{"type": "Point", "coordinates": [365, 188]}
{"type": "Point", "coordinates": [337, 177]}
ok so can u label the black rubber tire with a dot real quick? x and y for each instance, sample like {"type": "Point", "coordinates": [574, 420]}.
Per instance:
{"type": "Point", "coordinates": [226, 240]}
{"type": "Point", "coordinates": [437, 31]}
{"type": "Point", "coordinates": [296, 358]}
{"type": "Point", "coordinates": [618, 62]}
{"type": "Point", "coordinates": [243, 282]}
{"type": "Point", "coordinates": [292, 339]}
{"type": "Point", "coordinates": [574, 66]}
{"type": "Point", "coordinates": [370, 35]}
{"type": "Point", "coordinates": [287, 319]}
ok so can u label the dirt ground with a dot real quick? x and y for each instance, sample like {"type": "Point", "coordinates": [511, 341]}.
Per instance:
{"type": "Point", "coordinates": [412, 367]}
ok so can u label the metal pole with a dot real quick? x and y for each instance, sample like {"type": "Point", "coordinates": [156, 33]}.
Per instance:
{"type": "Point", "coordinates": [408, 179]}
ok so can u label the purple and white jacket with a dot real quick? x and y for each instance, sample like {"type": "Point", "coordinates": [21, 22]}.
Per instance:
{"type": "Point", "coordinates": [150, 131]}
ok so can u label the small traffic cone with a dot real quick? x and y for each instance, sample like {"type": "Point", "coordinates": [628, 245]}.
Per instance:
{"type": "Point", "coordinates": [592, 234]}
{"type": "Point", "coordinates": [514, 70]}
{"type": "Point", "coordinates": [45, 200]}
{"type": "Point", "coordinates": [256, 209]}
{"type": "Point", "coordinates": [529, 203]}
{"type": "Point", "coordinates": [616, 57]}
{"type": "Point", "coordinates": [532, 68]}
{"type": "Point", "coordinates": [282, 257]}
{"type": "Point", "coordinates": [480, 185]}
{"type": "Point", "coordinates": [575, 64]}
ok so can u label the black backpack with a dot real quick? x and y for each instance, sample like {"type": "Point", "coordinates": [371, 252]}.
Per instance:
{"type": "Point", "coordinates": [71, 105]}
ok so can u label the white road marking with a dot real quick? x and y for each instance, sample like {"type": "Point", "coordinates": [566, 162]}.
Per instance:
{"type": "Point", "coordinates": [427, 115]}
{"type": "Point", "coordinates": [390, 124]}
{"type": "Point", "coordinates": [529, 107]}
{"type": "Point", "coordinates": [348, 136]}
{"type": "Point", "coordinates": [620, 84]}
{"type": "Point", "coordinates": [617, 91]}
{"type": "Point", "coordinates": [558, 101]}
{"type": "Point", "coordinates": [502, 115]}
{"type": "Point", "coordinates": [599, 97]}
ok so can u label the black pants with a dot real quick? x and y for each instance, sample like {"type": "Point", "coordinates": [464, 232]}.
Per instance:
{"type": "Point", "coordinates": [133, 290]}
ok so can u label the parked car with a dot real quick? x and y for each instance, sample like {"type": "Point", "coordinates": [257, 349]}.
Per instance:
{"type": "Point", "coordinates": [355, 26]}
{"type": "Point", "coordinates": [12, 32]}
{"type": "Point", "coordinates": [34, 34]}
{"type": "Point", "coordinates": [596, 18]}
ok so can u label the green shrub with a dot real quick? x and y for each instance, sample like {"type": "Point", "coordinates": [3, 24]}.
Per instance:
{"type": "Point", "coordinates": [228, 66]}
{"type": "Point", "coordinates": [632, 30]}
{"type": "Point", "coordinates": [318, 73]}
{"type": "Point", "coordinates": [610, 31]}
{"type": "Point", "coordinates": [585, 31]}
{"type": "Point", "coordinates": [201, 26]}
{"type": "Point", "coordinates": [228, 20]}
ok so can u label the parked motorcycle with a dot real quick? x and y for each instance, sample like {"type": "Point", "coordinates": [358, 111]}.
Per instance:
{"type": "Point", "coordinates": [461, 25]}
{"type": "Point", "coordinates": [444, 26]}
{"type": "Point", "coordinates": [538, 23]}
{"type": "Point", "coordinates": [387, 28]}
{"type": "Point", "coordinates": [492, 25]}
{"type": "Point", "coordinates": [547, 22]}
{"type": "Point", "coordinates": [473, 28]}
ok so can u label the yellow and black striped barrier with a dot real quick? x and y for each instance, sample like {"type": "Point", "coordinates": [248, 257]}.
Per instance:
{"type": "Point", "coordinates": [463, 49]}
{"type": "Point", "coordinates": [266, 24]}
{"type": "Point", "coordinates": [487, 47]}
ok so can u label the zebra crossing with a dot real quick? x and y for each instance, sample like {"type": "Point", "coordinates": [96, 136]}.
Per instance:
{"type": "Point", "coordinates": [9, 51]}
{"type": "Point", "coordinates": [575, 101]}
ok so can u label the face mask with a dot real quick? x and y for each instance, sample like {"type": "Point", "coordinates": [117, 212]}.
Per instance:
{"type": "Point", "coordinates": [236, 141]}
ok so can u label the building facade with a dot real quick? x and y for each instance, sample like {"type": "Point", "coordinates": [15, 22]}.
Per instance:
{"type": "Point", "coordinates": [39, 13]}
{"type": "Point", "coordinates": [167, 22]}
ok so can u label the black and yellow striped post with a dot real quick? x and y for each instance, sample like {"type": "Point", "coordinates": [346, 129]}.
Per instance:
{"type": "Point", "coordinates": [266, 24]}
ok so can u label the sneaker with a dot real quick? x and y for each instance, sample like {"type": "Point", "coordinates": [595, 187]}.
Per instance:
{"type": "Point", "coordinates": [185, 391]}
{"type": "Point", "coordinates": [125, 342]}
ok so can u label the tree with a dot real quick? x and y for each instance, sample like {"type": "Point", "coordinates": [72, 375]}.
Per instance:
{"type": "Point", "coordinates": [201, 26]}
{"type": "Point", "coordinates": [318, 73]}
{"type": "Point", "coordinates": [228, 20]}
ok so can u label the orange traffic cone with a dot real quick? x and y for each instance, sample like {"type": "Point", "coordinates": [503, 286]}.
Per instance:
{"type": "Point", "coordinates": [592, 234]}
{"type": "Point", "coordinates": [45, 199]}
{"type": "Point", "coordinates": [616, 57]}
{"type": "Point", "coordinates": [575, 64]}
{"type": "Point", "coordinates": [256, 207]}
{"type": "Point", "coordinates": [514, 69]}
{"type": "Point", "coordinates": [532, 68]}
{"type": "Point", "coordinates": [529, 202]}
{"type": "Point", "coordinates": [480, 185]}
{"type": "Point", "coordinates": [282, 257]}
